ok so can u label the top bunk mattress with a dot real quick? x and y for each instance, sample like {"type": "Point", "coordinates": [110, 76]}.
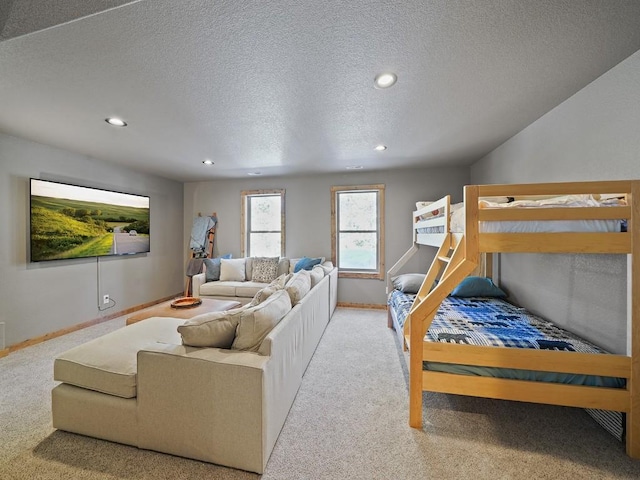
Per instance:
{"type": "Point", "coordinates": [532, 226]}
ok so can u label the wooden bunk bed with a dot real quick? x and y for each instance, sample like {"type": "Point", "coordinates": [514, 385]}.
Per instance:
{"type": "Point", "coordinates": [459, 254]}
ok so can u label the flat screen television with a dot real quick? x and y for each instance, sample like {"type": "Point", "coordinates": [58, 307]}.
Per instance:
{"type": "Point", "coordinates": [70, 221]}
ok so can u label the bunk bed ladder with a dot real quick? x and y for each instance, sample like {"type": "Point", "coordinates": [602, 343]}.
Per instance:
{"type": "Point", "coordinates": [455, 266]}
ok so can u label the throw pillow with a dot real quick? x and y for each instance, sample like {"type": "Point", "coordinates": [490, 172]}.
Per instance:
{"type": "Point", "coordinates": [327, 266]}
{"type": "Point", "coordinates": [306, 263]}
{"type": "Point", "coordinates": [409, 282]}
{"type": "Point", "coordinates": [213, 329]}
{"type": "Point", "coordinates": [263, 294]}
{"type": "Point", "coordinates": [212, 267]}
{"type": "Point", "coordinates": [477, 287]}
{"type": "Point", "coordinates": [265, 269]}
{"type": "Point", "coordinates": [298, 286]}
{"type": "Point", "coordinates": [316, 274]}
{"type": "Point", "coordinates": [256, 322]}
{"type": "Point", "coordinates": [281, 281]}
{"type": "Point", "coordinates": [232, 270]}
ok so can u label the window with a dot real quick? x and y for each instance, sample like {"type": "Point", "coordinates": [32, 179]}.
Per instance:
{"type": "Point", "coordinates": [262, 223]}
{"type": "Point", "coordinates": [357, 223]}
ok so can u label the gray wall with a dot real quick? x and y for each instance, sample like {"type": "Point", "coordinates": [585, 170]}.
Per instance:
{"type": "Point", "coordinates": [593, 135]}
{"type": "Point", "coordinates": [39, 298]}
{"type": "Point", "coordinates": [308, 215]}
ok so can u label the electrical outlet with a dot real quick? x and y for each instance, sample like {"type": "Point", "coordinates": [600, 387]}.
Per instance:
{"type": "Point", "coordinates": [105, 299]}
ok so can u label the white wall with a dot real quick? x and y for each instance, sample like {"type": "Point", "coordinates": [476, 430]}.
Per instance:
{"type": "Point", "coordinates": [40, 298]}
{"type": "Point", "coordinates": [308, 215]}
{"type": "Point", "coordinates": [594, 135]}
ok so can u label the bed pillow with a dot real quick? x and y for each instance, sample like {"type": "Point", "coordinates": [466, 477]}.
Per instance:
{"type": "Point", "coordinates": [264, 269]}
{"type": "Point", "coordinates": [306, 263]}
{"type": "Point", "coordinates": [232, 270]}
{"type": "Point", "coordinates": [212, 267]}
{"type": "Point", "coordinates": [408, 282]}
{"type": "Point", "coordinates": [477, 287]}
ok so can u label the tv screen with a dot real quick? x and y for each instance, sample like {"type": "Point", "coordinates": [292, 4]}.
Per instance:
{"type": "Point", "coordinates": [69, 221]}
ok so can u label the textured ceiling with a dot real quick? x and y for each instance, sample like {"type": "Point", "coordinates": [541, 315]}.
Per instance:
{"type": "Point", "coordinates": [287, 87]}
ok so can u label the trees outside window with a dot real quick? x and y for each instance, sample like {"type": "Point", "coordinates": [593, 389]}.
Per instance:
{"type": "Point", "coordinates": [262, 227]}
{"type": "Point", "coordinates": [358, 230]}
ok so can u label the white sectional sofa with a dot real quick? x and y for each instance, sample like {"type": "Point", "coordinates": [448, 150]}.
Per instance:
{"type": "Point", "coordinates": [243, 290]}
{"type": "Point", "coordinates": [141, 386]}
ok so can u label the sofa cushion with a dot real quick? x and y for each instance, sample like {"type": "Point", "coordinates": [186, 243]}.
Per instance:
{"type": "Point", "coordinates": [298, 286]}
{"type": "Point", "coordinates": [256, 322]}
{"type": "Point", "coordinates": [232, 270]}
{"type": "Point", "coordinates": [212, 267]}
{"type": "Point", "coordinates": [213, 329]}
{"type": "Point", "coordinates": [249, 289]}
{"type": "Point", "coordinates": [108, 364]}
{"type": "Point", "coordinates": [264, 269]}
{"type": "Point", "coordinates": [219, 289]}
{"type": "Point", "coordinates": [316, 274]}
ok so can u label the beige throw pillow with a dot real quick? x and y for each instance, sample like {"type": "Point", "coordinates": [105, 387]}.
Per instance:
{"type": "Point", "coordinates": [214, 329]}
{"type": "Point", "coordinates": [298, 286]}
{"type": "Point", "coordinates": [256, 322]}
{"type": "Point", "coordinates": [232, 270]}
{"type": "Point", "coordinates": [316, 274]}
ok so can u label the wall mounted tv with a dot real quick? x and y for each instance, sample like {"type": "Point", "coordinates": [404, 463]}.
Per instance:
{"type": "Point", "coordinates": [69, 221]}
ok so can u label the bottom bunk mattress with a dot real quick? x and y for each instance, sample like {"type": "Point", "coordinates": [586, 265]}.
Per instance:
{"type": "Point", "coordinates": [495, 322]}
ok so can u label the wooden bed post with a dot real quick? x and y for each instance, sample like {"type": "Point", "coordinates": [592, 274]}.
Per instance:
{"type": "Point", "coordinates": [633, 416]}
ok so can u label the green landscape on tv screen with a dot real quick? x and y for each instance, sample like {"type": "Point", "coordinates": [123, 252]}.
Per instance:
{"type": "Point", "coordinates": [69, 221]}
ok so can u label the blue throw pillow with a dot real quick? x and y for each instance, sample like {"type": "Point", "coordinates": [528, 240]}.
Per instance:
{"type": "Point", "coordinates": [477, 287]}
{"type": "Point", "coordinates": [306, 263]}
{"type": "Point", "coordinates": [212, 265]}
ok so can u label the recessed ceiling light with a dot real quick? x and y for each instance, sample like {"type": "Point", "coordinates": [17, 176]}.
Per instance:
{"type": "Point", "coordinates": [354, 167]}
{"type": "Point", "coordinates": [385, 80]}
{"type": "Point", "coordinates": [116, 122]}
{"type": "Point", "coordinates": [380, 148]}
{"type": "Point", "coordinates": [254, 173]}
{"type": "Point", "coordinates": [207, 162]}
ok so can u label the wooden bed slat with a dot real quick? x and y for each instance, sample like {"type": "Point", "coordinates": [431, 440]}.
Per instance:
{"type": "Point", "coordinates": [615, 399]}
{"type": "Point", "coordinates": [556, 242]}
{"type": "Point", "coordinates": [529, 359]}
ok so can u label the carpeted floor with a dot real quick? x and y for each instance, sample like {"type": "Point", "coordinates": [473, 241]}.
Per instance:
{"type": "Point", "coordinates": [349, 421]}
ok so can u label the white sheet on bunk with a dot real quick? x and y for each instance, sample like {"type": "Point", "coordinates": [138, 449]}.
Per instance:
{"type": "Point", "coordinates": [553, 226]}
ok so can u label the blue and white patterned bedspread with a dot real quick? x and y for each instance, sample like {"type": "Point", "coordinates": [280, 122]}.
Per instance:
{"type": "Point", "coordinates": [491, 322]}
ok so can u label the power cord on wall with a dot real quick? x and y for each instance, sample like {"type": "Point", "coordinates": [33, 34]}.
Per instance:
{"type": "Point", "coordinates": [111, 302]}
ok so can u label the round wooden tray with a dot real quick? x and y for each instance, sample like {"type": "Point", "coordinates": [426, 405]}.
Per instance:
{"type": "Point", "coordinates": [186, 302]}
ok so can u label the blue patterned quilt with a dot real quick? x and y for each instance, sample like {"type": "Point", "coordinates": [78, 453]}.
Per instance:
{"type": "Point", "coordinates": [491, 322]}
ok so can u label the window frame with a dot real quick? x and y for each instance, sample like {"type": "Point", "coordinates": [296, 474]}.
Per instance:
{"type": "Point", "coordinates": [245, 227]}
{"type": "Point", "coordinates": [379, 274]}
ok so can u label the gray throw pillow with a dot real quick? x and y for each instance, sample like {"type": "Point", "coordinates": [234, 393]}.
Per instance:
{"type": "Point", "coordinates": [212, 265]}
{"type": "Point", "coordinates": [409, 282]}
